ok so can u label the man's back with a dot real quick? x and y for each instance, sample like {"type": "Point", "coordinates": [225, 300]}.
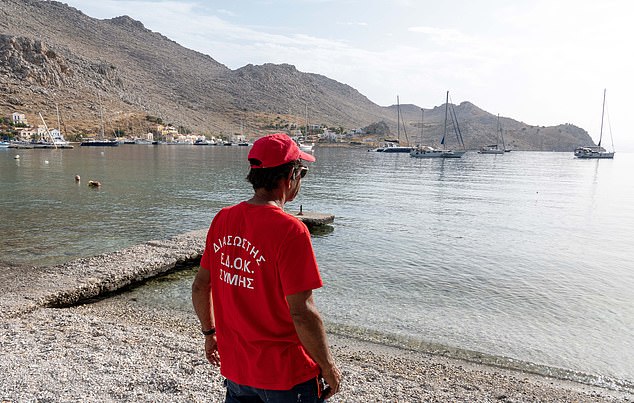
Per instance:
{"type": "Point", "coordinates": [258, 254]}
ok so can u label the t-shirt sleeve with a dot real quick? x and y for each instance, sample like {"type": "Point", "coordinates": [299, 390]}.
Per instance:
{"type": "Point", "coordinates": [297, 263]}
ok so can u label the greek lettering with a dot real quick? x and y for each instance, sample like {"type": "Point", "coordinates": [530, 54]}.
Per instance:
{"type": "Point", "coordinates": [237, 263]}
{"type": "Point", "coordinates": [236, 280]}
{"type": "Point", "coordinates": [246, 252]}
{"type": "Point", "coordinates": [254, 252]}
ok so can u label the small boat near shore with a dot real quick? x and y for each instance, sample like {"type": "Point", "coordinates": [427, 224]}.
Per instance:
{"type": "Point", "coordinates": [46, 138]}
{"type": "Point", "coordinates": [204, 142]}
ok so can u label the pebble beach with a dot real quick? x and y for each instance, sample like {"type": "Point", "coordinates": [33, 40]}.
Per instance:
{"type": "Point", "coordinates": [71, 333]}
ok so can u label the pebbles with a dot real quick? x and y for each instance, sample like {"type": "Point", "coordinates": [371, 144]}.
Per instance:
{"type": "Point", "coordinates": [114, 349]}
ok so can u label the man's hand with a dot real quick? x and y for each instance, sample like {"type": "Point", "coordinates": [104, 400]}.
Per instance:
{"type": "Point", "coordinates": [211, 350]}
{"type": "Point", "coordinates": [311, 332]}
{"type": "Point", "coordinates": [332, 376]}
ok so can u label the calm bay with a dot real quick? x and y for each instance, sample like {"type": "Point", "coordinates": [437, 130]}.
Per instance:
{"type": "Point", "coordinates": [521, 260]}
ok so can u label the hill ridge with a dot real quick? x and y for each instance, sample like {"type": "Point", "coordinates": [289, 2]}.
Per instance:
{"type": "Point", "coordinates": [51, 53]}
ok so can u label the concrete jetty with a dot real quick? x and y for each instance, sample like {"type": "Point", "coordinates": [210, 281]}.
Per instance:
{"type": "Point", "coordinates": [24, 289]}
{"type": "Point", "coordinates": [312, 219]}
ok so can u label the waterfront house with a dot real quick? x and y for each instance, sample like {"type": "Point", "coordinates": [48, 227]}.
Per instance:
{"type": "Point", "coordinates": [19, 119]}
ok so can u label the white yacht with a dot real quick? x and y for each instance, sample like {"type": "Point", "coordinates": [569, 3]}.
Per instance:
{"type": "Point", "coordinates": [596, 152]}
{"type": "Point", "coordinates": [430, 152]}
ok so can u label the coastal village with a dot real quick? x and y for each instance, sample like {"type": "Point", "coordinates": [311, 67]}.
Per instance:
{"type": "Point", "coordinates": [18, 131]}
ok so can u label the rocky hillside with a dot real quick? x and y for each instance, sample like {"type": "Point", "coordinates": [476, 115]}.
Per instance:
{"type": "Point", "coordinates": [52, 54]}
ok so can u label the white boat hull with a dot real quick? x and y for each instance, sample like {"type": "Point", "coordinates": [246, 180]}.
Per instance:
{"type": "Point", "coordinates": [436, 153]}
{"type": "Point", "coordinates": [491, 152]}
{"type": "Point", "coordinates": [306, 147]}
{"type": "Point", "coordinates": [593, 153]}
{"type": "Point", "coordinates": [598, 155]}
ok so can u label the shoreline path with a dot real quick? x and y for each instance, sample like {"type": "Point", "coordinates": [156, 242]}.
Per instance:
{"type": "Point", "coordinates": [56, 347]}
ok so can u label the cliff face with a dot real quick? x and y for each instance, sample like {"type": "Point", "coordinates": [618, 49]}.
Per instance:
{"type": "Point", "coordinates": [51, 53]}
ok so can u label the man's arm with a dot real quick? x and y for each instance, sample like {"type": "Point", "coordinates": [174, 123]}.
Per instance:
{"type": "Point", "coordinates": [203, 305]}
{"type": "Point", "coordinates": [312, 334]}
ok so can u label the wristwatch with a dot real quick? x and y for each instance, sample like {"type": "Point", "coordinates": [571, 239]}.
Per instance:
{"type": "Point", "coordinates": [209, 332]}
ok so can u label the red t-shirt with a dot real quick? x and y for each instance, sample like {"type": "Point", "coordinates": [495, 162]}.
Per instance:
{"type": "Point", "coordinates": [256, 256]}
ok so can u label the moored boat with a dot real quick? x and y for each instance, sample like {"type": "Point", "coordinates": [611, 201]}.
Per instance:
{"type": "Point", "coordinates": [99, 143]}
{"type": "Point", "coordinates": [430, 152]}
{"type": "Point", "coordinates": [596, 152]}
{"type": "Point", "coordinates": [490, 149]}
{"type": "Point", "coordinates": [495, 148]}
{"type": "Point", "coordinates": [394, 146]}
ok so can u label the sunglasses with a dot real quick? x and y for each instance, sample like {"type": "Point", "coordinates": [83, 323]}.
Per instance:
{"type": "Point", "coordinates": [302, 172]}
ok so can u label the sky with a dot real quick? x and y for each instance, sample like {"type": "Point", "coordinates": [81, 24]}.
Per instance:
{"type": "Point", "coordinates": [542, 62]}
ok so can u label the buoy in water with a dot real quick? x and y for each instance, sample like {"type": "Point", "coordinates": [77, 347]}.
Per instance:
{"type": "Point", "coordinates": [46, 161]}
{"type": "Point", "coordinates": [17, 157]}
{"type": "Point", "coordinates": [94, 184]}
{"type": "Point", "coordinates": [77, 178]}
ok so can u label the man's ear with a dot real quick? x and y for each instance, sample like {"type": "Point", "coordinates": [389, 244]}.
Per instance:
{"type": "Point", "coordinates": [291, 175]}
{"type": "Point", "coordinates": [289, 179]}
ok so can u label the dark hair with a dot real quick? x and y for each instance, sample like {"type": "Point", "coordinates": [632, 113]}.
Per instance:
{"type": "Point", "coordinates": [268, 178]}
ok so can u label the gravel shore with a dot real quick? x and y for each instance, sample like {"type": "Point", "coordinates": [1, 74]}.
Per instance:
{"type": "Point", "coordinates": [58, 346]}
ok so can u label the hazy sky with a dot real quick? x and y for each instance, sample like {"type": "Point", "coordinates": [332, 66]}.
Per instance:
{"type": "Point", "coordinates": [543, 62]}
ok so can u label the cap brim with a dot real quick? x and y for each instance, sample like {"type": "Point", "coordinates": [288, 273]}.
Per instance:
{"type": "Point", "coordinates": [306, 157]}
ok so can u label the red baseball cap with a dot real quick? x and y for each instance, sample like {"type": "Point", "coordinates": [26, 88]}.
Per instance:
{"type": "Point", "coordinates": [276, 149]}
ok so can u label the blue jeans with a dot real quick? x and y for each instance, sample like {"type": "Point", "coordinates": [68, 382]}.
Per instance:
{"type": "Point", "coordinates": [303, 393]}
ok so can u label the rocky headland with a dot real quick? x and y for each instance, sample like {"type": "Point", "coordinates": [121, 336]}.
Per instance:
{"type": "Point", "coordinates": [52, 54]}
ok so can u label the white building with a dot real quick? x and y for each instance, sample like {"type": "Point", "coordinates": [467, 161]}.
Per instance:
{"type": "Point", "coordinates": [19, 118]}
{"type": "Point", "coordinates": [26, 134]}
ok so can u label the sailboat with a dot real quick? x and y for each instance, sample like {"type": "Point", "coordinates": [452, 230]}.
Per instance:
{"type": "Point", "coordinates": [430, 152]}
{"type": "Point", "coordinates": [495, 148]}
{"type": "Point", "coordinates": [391, 146]}
{"type": "Point", "coordinates": [53, 138]}
{"type": "Point", "coordinates": [597, 151]}
{"type": "Point", "coordinates": [101, 142]}
{"type": "Point", "coordinates": [308, 147]}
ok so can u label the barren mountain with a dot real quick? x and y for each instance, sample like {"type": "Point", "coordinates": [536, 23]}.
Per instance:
{"type": "Point", "coordinates": [52, 54]}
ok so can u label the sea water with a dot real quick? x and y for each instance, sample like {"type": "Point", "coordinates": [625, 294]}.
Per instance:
{"type": "Point", "coordinates": [522, 260]}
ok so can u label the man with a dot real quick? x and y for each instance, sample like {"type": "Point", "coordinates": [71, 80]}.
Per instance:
{"type": "Point", "coordinates": [253, 292]}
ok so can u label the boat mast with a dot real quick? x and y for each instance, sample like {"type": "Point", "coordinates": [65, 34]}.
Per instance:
{"type": "Point", "coordinates": [446, 111]}
{"type": "Point", "coordinates": [103, 135]}
{"type": "Point", "coordinates": [48, 132]}
{"type": "Point", "coordinates": [398, 121]}
{"type": "Point", "coordinates": [501, 133]}
{"type": "Point", "coordinates": [59, 125]}
{"type": "Point", "coordinates": [422, 119]}
{"type": "Point", "coordinates": [306, 118]}
{"type": "Point", "coordinates": [602, 114]}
